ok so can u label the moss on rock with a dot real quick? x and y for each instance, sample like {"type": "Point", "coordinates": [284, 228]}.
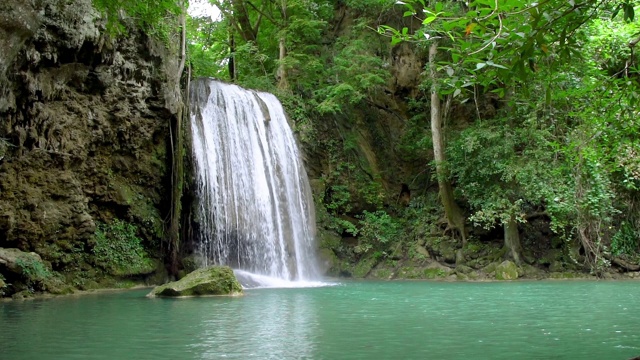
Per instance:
{"type": "Point", "coordinates": [214, 280]}
{"type": "Point", "coordinates": [363, 268]}
{"type": "Point", "coordinates": [507, 270]}
{"type": "Point", "coordinates": [434, 273]}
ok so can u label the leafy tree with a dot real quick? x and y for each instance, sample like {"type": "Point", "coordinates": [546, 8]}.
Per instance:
{"type": "Point", "coordinates": [208, 48]}
{"type": "Point", "coordinates": [506, 172]}
{"type": "Point", "coordinates": [523, 52]}
{"type": "Point", "coordinates": [253, 25]}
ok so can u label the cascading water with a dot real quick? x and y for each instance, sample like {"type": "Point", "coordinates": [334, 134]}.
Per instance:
{"type": "Point", "coordinates": [255, 207]}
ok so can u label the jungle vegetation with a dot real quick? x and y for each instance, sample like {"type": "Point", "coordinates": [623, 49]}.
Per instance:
{"type": "Point", "coordinates": [552, 133]}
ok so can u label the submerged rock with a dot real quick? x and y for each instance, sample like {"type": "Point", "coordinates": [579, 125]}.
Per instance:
{"type": "Point", "coordinates": [213, 280]}
{"type": "Point", "coordinates": [507, 270]}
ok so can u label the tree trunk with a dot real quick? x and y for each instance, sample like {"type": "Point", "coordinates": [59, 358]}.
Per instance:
{"type": "Point", "coordinates": [512, 240]}
{"type": "Point", "coordinates": [243, 21]}
{"type": "Point", "coordinates": [232, 56]}
{"type": "Point", "coordinates": [455, 219]}
{"type": "Point", "coordinates": [282, 72]}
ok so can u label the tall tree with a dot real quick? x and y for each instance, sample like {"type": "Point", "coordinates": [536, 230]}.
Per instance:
{"type": "Point", "coordinates": [454, 215]}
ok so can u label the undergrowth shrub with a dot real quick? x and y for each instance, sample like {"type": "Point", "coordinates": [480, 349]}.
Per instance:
{"type": "Point", "coordinates": [625, 240]}
{"type": "Point", "coordinates": [377, 230]}
{"type": "Point", "coordinates": [118, 249]}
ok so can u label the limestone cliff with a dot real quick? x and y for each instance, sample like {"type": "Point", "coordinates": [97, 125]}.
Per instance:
{"type": "Point", "coordinates": [84, 130]}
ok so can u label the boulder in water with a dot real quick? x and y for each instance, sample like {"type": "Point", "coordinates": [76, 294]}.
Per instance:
{"type": "Point", "coordinates": [213, 280]}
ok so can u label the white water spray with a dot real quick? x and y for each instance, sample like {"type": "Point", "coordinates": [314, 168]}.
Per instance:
{"type": "Point", "coordinates": [255, 207]}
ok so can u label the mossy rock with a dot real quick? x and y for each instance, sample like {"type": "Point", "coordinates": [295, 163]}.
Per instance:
{"type": "Point", "coordinates": [461, 277]}
{"type": "Point", "coordinates": [328, 239]}
{"type": "Point", "coordinates": [409, 272]}
{"type": "Point", "coordinates": [329, 262]}
{"type": "Point", "coordinates": [435, 270]}
{"type": "Point", "coordinates": [474, 275]}
{"type": "Point", "coordinates": [381, 273]}
{"type": "Point", "coordinates": [556, 266]}
{"type": "Point", "coordinates": [463, 269]}
{"type": "Point", "coordinates": [490, 268]}
{"type": "Point", "coordinates": [421, 253]}
{"type": "Point", "coordinates": [213, 280]}
{"type": "Point", "coordinates": [55, 285]}
{"type": "Point", "coordinates": [447, 250]}
{"type": "Point", "coordinates": [532, 272]}
{"type": "Point", "coordinates": [507, 270]}
{"type": "Point", "coordinates": [434, 273]}
{"type": "Point", "coordinates": [565, 275]}
{"type": "Point", "coordinates": [28, 265]}
{"type": "Point", "coordinates": [363, 267]}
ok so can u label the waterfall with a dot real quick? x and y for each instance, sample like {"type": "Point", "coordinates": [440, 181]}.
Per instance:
{"type": "Point", "coordinates": [255, 208]}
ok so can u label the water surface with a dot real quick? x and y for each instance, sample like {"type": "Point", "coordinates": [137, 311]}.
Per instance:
{"type": "Point", "coordinates": [354, 320]}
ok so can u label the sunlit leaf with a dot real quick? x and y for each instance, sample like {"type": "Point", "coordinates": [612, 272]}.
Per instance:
{"type": "Point", "coordinates": [428, 20]}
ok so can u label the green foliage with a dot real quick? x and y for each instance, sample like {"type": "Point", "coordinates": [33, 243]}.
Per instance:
{"type": "Point", "coordinates": [355, 73]}
{"type": "Point", "coordinates": [608, 44]}
{"type": "Point", "coordinates": [208, 47]}
{"type": "Point", "coordinates": [33, 270]}
{"type": "Point", "coordinates": [434, 273]}
{"type": "Point", "coordinates": [416, 142]}
{"type": "Point", "coordinates": [118, 249]}
{"type": "Point", "coordinates": [377, 230]}
{"type": "Point", "coordinates": [490, 41]}
{"type": "Point", "coordinates": [370, 7]}
{"type": "Point", "coordinates": [503, 170]}
{"type": "Point", "coordinates": [250, 34]}
{"type": "Point", "coordinates": [298, 112]}
{"type": "Point", "coordinates": [625, 240]}
{"type": "Point", "coordinates": [156, 17]}
{"type": "Point", "coordinates": [339, 199]}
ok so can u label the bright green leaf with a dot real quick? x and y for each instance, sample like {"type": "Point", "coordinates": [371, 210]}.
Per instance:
{"type": "Point", "coordinates": [428, 20]}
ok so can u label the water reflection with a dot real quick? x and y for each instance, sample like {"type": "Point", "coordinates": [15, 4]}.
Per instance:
{"type": "Point", "coordinates": [282, 327]}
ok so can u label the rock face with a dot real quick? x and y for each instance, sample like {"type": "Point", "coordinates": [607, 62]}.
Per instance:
{"type": "Point", "coordinates": [214, 280]}
{"type": "Point", "coordinates": [84, 129]}
{"type": "Point", "coordinates": [507, 270]}
{"type": "Point", "coordinates": [26, 272]}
